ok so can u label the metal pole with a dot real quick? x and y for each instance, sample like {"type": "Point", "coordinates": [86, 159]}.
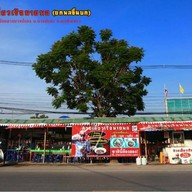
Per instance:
{"type": "Point", "coordinates": [166, 107]}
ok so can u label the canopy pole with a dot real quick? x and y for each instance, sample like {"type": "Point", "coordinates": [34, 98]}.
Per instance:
{"type": "Point", "coordinates": [145, 138]}
{"type": "Point", "coordinates": [44, 144]}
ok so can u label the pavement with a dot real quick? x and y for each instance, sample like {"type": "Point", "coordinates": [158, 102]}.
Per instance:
{"type": "Point", "coordinates": [103, 167]}
{"type": "Point", "coordinates": [111, 163]}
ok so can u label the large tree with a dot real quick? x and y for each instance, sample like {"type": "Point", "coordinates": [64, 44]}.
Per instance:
{"type": "Point", "coordinates": [94, 75]}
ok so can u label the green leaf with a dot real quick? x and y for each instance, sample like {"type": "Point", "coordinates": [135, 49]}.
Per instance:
{"type": "Point", "coordinates": [89, 73]}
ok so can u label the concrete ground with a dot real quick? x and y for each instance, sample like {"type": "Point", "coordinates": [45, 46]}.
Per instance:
{"type": "Point", "coordinates": [111, 163]}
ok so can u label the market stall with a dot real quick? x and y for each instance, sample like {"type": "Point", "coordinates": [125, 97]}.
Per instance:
{"type": "Point", "coordinates": [180, 150]}
{"type": "Point", "coordinates": [43, 139]}
{"type": "Point", "coordinates": [178, 140]}
{"type": "Point", "coordinates": [103, 140]}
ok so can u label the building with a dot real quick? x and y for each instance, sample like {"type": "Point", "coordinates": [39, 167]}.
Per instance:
{"type": "Point", "coordinates": [113, 138]}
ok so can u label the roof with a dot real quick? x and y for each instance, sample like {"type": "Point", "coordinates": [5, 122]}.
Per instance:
{"type": "Point", "coordinates": [4, 122]}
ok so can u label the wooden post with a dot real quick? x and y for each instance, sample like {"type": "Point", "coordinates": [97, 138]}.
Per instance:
{"type": "Point", "coordinates": [145, 137]}
{"type": "Point", "coordinates": [44, 144]}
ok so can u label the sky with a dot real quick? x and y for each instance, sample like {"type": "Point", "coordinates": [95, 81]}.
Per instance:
{"type": "Point", "coordinates": [163, 28]}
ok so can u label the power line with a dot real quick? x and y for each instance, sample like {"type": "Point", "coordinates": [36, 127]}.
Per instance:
{"type": "Point", "coordinates": [41, 111]}
{"type": "Point", "coordinates": [31, 111]}
{"type": "Point", "coordinates": [159, 66]}
{"type": "Point", "coordinates": [151, 101]}
{"type": "Point", "coordinates": [17, 63]}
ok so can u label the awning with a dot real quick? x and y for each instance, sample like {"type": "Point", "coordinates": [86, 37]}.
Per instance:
{"type": "Point", "coordinates": [165, 125]}
{"type": "Point", "coordinates": [141, 126]}
{"type": "Point", "coordinates": [33, 125]}
{"type": "Point", "coordinates": [4, 125]}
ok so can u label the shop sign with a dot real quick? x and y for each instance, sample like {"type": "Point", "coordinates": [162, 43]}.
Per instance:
{"type": "Point", "coordinates": [182, 153]}
{"type": "Point", "coordinates": [105, 140]}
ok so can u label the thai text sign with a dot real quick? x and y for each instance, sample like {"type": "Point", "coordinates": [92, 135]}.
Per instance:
{"type": "Point", "coordinates": [184, 154]}
{"type": "Point", "coordinates": [105, 140]}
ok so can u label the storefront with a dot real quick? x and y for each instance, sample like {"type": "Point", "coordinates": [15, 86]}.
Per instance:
{"type": "Point", "coordinates": [169, 141]}
{"type": "Point", "coordinates": [38, 142]}
{"type": "Point", "coordinates": [43, 142]}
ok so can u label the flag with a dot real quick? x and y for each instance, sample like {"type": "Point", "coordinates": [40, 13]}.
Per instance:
{"type": "Point", "coordinates": [181, 89]}
{"type": "Point", "coordinates": [166, 92]}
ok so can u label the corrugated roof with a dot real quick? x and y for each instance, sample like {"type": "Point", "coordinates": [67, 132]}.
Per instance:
{"type": "Point", "coordinates": [94, 120]}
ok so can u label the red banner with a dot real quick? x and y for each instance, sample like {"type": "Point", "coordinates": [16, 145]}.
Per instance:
{"type": "Point", "coordinates": [105, 140]}
{"type": "Point", "coordinates": [165, 125]}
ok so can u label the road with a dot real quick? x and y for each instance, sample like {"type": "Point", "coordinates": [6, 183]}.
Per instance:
{"type": "Point", "coordinates": [90, 177]}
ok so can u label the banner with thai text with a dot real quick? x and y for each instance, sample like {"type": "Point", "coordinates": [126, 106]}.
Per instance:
{"type": "Point", "coordinates": [105, 140]}
{"type": "Point", "coordinates": [179, 155]}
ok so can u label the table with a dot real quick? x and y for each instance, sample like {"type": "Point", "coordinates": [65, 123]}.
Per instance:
{"type": "Point", "coordinates": [51, 151]}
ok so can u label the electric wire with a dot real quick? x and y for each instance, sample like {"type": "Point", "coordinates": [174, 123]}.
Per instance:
{"type": "Point", "coordinates": [157, 66]}
{"type": "Point", "coordinates": [152, 101]}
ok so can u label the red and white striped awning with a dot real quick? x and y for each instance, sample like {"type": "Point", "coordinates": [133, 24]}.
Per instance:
{"type": "Point", "coordinates": [35, 125]}
{"type": "Point", "coordinates": [165, 125]}
{"type": "Point", "coordinates": [142, 126]}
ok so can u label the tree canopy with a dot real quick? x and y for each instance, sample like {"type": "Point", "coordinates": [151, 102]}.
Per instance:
{"type": "Point", "coordinates": [94, 75]}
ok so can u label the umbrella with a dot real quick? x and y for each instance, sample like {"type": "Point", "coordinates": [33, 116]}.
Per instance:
{"type": "Point", "coordinates": [64, 117]}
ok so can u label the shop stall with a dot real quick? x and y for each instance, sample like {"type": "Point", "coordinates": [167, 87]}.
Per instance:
{"type": "Point", "coordinates": [38, 142]}
{"type": "Point", "coordinates": [180, 150]}
{"type": "Point", "coordinates": [175, 142]}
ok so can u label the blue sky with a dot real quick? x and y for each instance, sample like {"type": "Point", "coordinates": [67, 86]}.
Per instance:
{"type": "Point", "coordinates": [162, 27]}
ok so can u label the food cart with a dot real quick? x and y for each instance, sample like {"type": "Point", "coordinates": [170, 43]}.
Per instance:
{"type": "Point", "coordinates": [180, 150]}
